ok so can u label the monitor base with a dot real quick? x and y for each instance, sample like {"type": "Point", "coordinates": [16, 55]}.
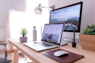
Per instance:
{"type": "Point", "coordinates": [73, 44]}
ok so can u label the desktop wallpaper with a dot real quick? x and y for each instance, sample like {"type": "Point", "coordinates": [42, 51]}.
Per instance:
{"type": "Point", "coordinates": [69, 15]}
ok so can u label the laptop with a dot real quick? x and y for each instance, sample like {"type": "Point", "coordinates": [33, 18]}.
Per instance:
{"type": "Point", "coordinates": [51, 38]}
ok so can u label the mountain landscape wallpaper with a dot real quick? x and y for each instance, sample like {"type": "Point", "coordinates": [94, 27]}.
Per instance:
{"type": "Point", "coordinates": [69, 15]}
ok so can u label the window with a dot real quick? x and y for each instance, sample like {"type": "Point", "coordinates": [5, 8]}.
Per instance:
{"type": "Point", "coordinates": [34, 19]}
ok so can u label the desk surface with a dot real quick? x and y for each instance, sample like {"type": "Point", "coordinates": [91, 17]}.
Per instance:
{"type": "Point", "coordinates": [38, 57]}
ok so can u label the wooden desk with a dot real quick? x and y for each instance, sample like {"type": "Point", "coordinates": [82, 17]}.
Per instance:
{"type": "Point", "coordinates": [38, 57]}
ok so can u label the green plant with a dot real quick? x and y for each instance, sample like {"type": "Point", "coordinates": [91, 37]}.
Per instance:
{"type": "Point", "coordinates": [23, 32]}
{"type": "Point", "coordinates": [89, 30]}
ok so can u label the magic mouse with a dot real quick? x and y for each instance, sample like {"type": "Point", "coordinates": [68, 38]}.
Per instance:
{"type": "Point", "coordinates": [60, 53]}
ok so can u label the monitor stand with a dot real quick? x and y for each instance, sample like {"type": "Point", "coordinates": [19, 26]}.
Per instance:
{"type": "Point", "coordinates": [73, 43]}
{"type": "Point", "coordinates": [65, 41]}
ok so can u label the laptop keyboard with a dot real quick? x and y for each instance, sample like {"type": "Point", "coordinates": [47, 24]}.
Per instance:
{"type": "Point", "coordinates": [43, 44]}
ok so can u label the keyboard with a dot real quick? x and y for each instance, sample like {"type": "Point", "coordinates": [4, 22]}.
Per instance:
{"type": "Point", "coordinates": [43, 44]}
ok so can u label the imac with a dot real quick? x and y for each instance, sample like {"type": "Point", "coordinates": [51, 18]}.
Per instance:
{"type": "Point", "coordinates": [70, 15]}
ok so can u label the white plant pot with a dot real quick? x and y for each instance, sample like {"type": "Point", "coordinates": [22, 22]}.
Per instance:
{"type": "Point", "coordinates": [23, 39]}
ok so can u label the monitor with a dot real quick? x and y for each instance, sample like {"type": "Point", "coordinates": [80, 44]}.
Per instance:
{"type": "Point", "coordinates": [70, 15]}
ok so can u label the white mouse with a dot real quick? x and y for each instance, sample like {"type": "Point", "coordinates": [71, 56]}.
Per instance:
{"type": "Point", "coordinates": [60, 53]}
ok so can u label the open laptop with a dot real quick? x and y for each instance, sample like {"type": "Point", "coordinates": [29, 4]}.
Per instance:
{"type": "Point", "coordinates": [51, 38]}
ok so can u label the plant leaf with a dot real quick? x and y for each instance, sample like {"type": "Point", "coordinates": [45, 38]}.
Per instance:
{"type": "Point", "coordinates": [23, 32]}
{"type": "Point", "coordinates": [89, 30]}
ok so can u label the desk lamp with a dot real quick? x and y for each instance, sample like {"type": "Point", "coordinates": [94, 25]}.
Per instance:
{"type": "Point", "coordinates": [38, 10]}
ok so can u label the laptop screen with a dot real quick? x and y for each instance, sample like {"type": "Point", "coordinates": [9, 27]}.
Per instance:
{"type": "Point", "coordinates": [52, 33]}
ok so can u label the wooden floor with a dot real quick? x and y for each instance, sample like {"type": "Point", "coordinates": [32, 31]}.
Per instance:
{"type": "Point", "coordinates": [21, 59]}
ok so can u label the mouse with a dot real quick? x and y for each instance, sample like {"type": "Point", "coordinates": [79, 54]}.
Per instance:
{"type": "Point", "coordinates": [60, 53]}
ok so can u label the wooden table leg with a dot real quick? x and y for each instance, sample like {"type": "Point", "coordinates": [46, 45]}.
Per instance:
{"type": "Point", "coordinates": [16, 55]}
{"type": "Point", "coordinates": [11, 56]}
{"type": "Point", "coordinates": [11, 46]}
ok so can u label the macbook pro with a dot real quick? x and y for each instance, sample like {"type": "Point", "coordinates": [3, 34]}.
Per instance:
{"type": "Point", "coordinates": [51, 38]}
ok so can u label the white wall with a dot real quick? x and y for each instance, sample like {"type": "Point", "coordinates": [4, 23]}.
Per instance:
{"type": "Point", "coordinates": [2, 35]}
{"type": "Point", "coordinates": [5, 6]}
{"type": "Point", "coordinates": [88, 12]}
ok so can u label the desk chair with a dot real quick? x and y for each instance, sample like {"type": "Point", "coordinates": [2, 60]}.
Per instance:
{"type": "Point", "coordinates": [4, 60]}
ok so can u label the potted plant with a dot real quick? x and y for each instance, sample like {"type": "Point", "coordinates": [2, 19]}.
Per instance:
{"type": "Point", "coordinates": [23, 32]}
{"type": "Point", "coordinates": [87, 38]}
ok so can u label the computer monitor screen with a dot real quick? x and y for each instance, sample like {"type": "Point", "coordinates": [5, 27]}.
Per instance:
{"type": "Point", "coordinates": [70, 15]}
{"type": "Point", "coordinates": [52, 33]}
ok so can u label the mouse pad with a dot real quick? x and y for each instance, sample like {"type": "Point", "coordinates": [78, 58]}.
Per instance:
{"type": "Point", "coordinates": [71, 57]}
